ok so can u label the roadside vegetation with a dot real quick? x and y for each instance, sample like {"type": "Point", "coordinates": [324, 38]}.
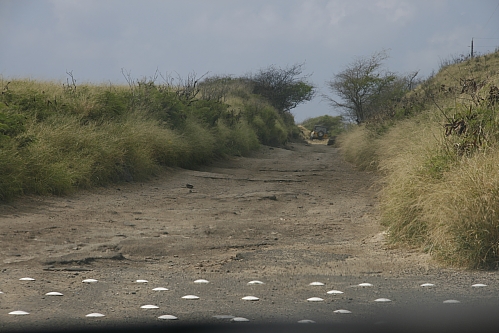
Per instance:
{"type": "Point", "coordinates": [57, 137]}
{"type": "Point", "coordinates": [334, 124]}
{"type": "Point", "coordinates": [436, 147]}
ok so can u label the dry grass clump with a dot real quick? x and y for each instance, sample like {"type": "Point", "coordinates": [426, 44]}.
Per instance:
{"type": "Point", "coordinates": [463, 213]}
{"type": "Point", "coordinates": [440, 168]}
{"type": "Point", "coordinates": [359, 147]}
{"type": "Point", "coordinates": [65, 155]}
{"type": "Point", "coordinates": [410, 162]}
{"type": "Point", "coordinates": [55, 138]}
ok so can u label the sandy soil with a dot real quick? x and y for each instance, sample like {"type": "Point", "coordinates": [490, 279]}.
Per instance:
{"type": "Point", "coordinates": [286, 217]}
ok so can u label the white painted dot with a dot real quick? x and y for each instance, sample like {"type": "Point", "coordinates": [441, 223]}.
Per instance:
{"type": "Point", "coordinates": [167, 317]}
{"type": "Point", "coordinates": [95, 315]}
{"type": "Point", "coordinates": [315, 299]}
{"type": "Point", "coordinates": [250, 298]}
{"type": "Point", "coordinates": [365, 284]}
{"type": "Point", "coordinates": [53, 293]}
{"type": "Point", "coordinates": [26, 279]}
{"type": "Point", "coordinates": [306, 321]}
{"type": "Point", "coordinates": [1, 292]}
{"type": "Point", "coordinates": [223, 317]}
{"type": "Point", "coordinates": [239, 319]}
{"type": "Point", "coordinates": [141, 281]}
{"type": "Point", "coordinates": [160, 289]}
{"type": "Point", "coordinates": [19, 313]}
{"type": "Point", "coordinates": [193, 297]}
{"type": "Point", "coordinates": [333, 292]}
{"type": "Point", "coordinates": [201, 281]}
{"type": "Point", "coordinates": [316, 284]}
{"type": "Point", "coordinates": [451, 301]}
{"type": "Point", "coordinates": [479, 285]}
{"type": "Point", "coordinates": [427, 285]}
{"type": "Point", "coordinates": [342, 311]}
{"type": "Point", "coordinates": [255, 282]}
{"type": "Point", "coordinates": [382, 300]}
{"type": "Point", "coordinates": [149, 306]}
{"type": "Point", "coordinates": [89, 281]}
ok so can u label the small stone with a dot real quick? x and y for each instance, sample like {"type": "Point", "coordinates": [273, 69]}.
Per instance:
{"type": "Point", "coordinates": [149, 306]}
{"type": "Point", "coordinates": [427, 285]}
{"type": "Point", "coordinates": [95, 315]}
{"type": "Point", "coordinates": [224, 317]}
{"type": "Point", "coordinates": [451, 301]}
{"type": "Point", "coordinates": [255, 282]}
{"type": "Point", "coordinates": [316, 284]}
{"type": "Point", "coordinates": [381, 300]}
{"type": "Point", "coordinates": [160, 289]}
{"type": "Point", "coordinates": [89, 281]}
{"type": "Point", "coordinates": [19, 313]}
{"type": "Point", "coordinates": [479, 285]}
{"type": "Point", "coordinates": [239, 319]}
{"type": "Point", "coordinates": [334, 292]}
{"type": "Point", "coordinates": [190, 297]}
{"type": "Point", "coordinates": [315, 299]}
{"type": "Point", "coordinates": [342, 311]}
{"type": "Point", "coordinates": [26, 279]}
{"type": "Point", "coordinates": [365, 285]}
{"type": "Point", "coordinates": [250, 298]}
{"type": "Point", "coordinates": [201, 281]}
{"type": "Point", "coordinates": [167, 317]}
{"type": "Point", "coordinates": [53, 293]}
{"type": "Point", "coordinates": [141, 281]}
{"type": "Point", "coordinates": [306, 321]}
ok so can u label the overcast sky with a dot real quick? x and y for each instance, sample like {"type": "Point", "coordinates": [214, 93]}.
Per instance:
{"type": "Point", "coordinates": [95, 39]}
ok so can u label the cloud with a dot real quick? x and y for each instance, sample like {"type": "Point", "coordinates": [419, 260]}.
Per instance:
{"type": "Point", "coordinates": [95, 38]}
{"type": "Point", "coordinates": [396, 11]}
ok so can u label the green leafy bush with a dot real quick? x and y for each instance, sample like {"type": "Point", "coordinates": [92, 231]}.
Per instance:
{"type": "Point", "coordinates": [334, 125]}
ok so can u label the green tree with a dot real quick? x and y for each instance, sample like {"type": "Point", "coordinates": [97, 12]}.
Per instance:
{"type": "Point", "coordinates": [334, 125]}
{"type": "Point", "coordinates": [359, 86]}
{"type": "Point", "coordinates": [283, 88]}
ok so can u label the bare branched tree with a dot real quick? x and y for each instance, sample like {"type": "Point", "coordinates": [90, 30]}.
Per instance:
{"type": "Point", "coordinates": [186, 89]}
{"type": "Point", "coordinates": [358, 85]}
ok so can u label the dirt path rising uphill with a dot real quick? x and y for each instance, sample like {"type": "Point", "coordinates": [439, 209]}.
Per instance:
{"type": "Point", "coordinates": [286, 217]}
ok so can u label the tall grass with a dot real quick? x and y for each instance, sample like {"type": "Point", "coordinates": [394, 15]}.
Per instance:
{"type": "Point", "coordinates": [359, 146]}
{"type": "Point", "coordinates": [439, 167]}
{"type": "Point", "coordinates": [464, 211]}
{"type": "Point", "coordinates": [58, 137]}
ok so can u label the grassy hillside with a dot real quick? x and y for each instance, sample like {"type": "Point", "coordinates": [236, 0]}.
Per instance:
{"type": "Point", "coordinates": [439, 160]}
{"type": "Point", "coordinates": [58, 137]}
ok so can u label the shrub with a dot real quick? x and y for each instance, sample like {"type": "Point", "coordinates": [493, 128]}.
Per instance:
{"type": "Point", "coordinates": [57, 138]}
{"type": "Point", "coordinates": [461, 213]}
{"type": "Point", "coordinates": [439, 165]}
{"type": "Point", "coordinates": [334, 125]}
{"type": "Point", "coordinates": [359, 146]}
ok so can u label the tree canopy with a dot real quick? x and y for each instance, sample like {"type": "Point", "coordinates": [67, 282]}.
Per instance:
{"type": "Point", "coordinates": [283, 88]}
{"type": "Point", "coordinates": [334, 124]}
{"type": "Point", "coordinates": [360, 85]}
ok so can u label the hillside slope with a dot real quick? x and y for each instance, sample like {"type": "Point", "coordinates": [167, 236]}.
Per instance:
{"type": "Point", "coordinates": [439, 157]}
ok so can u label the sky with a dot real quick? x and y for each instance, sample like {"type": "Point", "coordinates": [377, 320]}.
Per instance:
{"type": "Point", "coordinates": [97, 39]}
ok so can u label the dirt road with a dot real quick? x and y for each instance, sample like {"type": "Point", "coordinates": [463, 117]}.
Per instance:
{"type": "Point", "coordinates": [285, 217]}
